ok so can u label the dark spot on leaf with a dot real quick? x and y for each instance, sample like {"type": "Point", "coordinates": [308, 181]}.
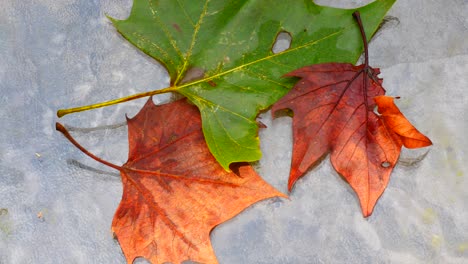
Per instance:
{"type": "Point", "coordinates": [282, 42]}
{"type": "Point", "coordinates": [176, 26]}
{"type": "Point", "coordinates": [213, 84]}
{"type": "Point", "coordinates": [169, 163]}
{"type": "Point", "coordinates": [193, 74]}
{"type": "Point", "coordinates": [173, 137]}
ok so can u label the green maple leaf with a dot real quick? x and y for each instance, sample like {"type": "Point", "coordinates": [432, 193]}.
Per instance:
{"type": "Point", "coordinates": [229, 44]}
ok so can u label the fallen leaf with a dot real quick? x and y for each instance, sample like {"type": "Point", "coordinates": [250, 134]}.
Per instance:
{"type": "Point", "coordinates": [333, 105]}
{"type": "Point", "coordinates": [229, 43]}
{"type": "Point", "coordinates": [175, 192]}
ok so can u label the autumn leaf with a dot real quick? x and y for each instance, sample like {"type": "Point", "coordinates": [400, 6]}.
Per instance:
{"type": "Point", "coordinates": [175, 192]}
{"type": "Point", "coordinates": [219, 55]}
{"type": "Point", "coordinates": [333, 105]}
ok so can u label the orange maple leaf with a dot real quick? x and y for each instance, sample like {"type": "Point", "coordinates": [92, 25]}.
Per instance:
{"type": "Point", "coordinates": [175, 192]}
{"type": "Point", "coordinates": [333, 105]}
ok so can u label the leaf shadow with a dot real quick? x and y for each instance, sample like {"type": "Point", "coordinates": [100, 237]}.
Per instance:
{"type": "Point", "coordinates": [76, 163]}
{"type": "Point", "coordinates": [97, 128]}
{"type": "Point", "coordinates": [282, 113]}
{"type": "Point", "coordinates": [387, 23]}
{"type": "Point", "coordinates": [413, 162]}
{"type": "Point", "coordinates": [310, 169]}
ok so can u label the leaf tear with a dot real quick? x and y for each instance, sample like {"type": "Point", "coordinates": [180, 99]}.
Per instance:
{"type": "Point", "coordinates": [282, 42]}
{"type": "Point", "coordinates": [386, 164]}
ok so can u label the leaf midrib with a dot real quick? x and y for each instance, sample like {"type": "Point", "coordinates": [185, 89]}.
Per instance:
{"type": "Point", "coordinates": [186, 59]}
{"type": "Point", "coordinates": [268, 57]}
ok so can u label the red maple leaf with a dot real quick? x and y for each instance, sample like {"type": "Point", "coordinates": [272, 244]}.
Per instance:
{"type": "Point", "coordinates": [175, 192]}
{"type": "Point", "coordinates": [333, 105]}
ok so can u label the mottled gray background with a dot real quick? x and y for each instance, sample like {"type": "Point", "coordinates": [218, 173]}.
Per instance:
{"type": "Point", "coordinates": [56, 205]}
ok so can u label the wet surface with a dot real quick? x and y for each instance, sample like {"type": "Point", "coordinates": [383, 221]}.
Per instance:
{"type": "Point", "coordinates": [56, 205]}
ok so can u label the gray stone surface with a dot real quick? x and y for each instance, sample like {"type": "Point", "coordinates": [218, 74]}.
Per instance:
{"type": "Point", "coordinates": [56, 205]}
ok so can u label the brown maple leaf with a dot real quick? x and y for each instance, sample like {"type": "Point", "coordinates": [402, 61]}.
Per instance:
{"type": "Point", "coordinates": [175, 192]}
{"type": "Point", "coordinates": [333, 105]}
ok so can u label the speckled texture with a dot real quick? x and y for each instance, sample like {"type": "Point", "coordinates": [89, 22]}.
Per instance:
{"type": "Point", "coordinates": [56, 205]}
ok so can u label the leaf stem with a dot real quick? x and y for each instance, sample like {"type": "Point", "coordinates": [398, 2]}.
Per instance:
{"type": "Point", "coordinates": [63, 112]}
{"type": "Point", "coordinates": [64, 131]}
{"type": "Point", "coordinates": [357, 16]}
